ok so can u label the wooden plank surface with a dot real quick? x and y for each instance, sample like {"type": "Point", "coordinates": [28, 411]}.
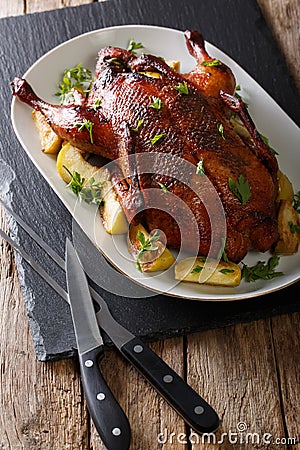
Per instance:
{"type": "Point", "coordinates": [249, 372]}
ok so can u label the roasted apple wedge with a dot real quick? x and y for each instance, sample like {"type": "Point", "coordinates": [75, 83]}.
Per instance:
{"type": "Point", "coordinates": [224, 273]}
{"type": "Point", "coordinates": [70, 160]}
{"type": "Point", "coordinates": [149, 251]}
{"type": "Point", "coordinates": [288, 228]}
{"type": "Point", "coordinates": [51, 143]}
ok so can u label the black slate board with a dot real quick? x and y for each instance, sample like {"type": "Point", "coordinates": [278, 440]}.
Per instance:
{"type": "Point", "coordinates": [235, 26]}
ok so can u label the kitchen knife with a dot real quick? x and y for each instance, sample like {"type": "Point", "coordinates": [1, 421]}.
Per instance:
{"type": "Point", "coordinates": [189, 405]}
{"type": "Point", "coordinates": [108, 416]}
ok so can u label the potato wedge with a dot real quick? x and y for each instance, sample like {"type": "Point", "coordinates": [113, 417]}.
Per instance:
{"type": "Point", "coordinates": [50, 142]}
{"type": "Point", "coordinates": [112, 214]}
{"type": "Point", "coordinates": [151, 261]}
{"type": "Point", "coordinates": [288, 221]}
{"type": "Point", "coordinates": [226, 274]}
{"type": "Point", "coordinates": [285, 188]}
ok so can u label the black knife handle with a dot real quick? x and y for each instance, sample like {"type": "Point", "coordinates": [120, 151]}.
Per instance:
{"type": "Point", "coordinates": [189, 405]}
{"type": "Point", "coordinates": [108, 416]}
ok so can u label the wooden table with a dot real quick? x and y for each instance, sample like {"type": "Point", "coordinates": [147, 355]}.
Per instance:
{"type": "Point", "coordinates": [248, 372]}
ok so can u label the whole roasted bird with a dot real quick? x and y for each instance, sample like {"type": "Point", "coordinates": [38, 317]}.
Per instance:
{"type": "Point", "coordinates": [191, 122]}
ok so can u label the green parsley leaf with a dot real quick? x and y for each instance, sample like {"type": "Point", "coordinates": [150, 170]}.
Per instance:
{"type": "Point", "coordinates": [266, 141]}
{"type": "Point", "coordinates": [262, 270]}
{"type": "Point", "coordinates": [77, 77]}
{"type": "Point", "coordinates": [91, 193]}
{"type": "Point", "coordinates": [200, 167]}
{"type": "Point", "coordinates": [88, 125]}
{"type": "Point", "coordinates": [147, 245]}
{"type": "Point", "coordinates": [222, 253]}
{"type": "Point", "coordinates": [294, 227]}
{"type": "Point", "coordinates": [221, 130]}
{"type": "Point", "coordinates": [238, 87]}
{"type": "Point", "coordinates": [197, 269]}
{"type": "Point", "coordinates": [138, 266]}
{"type": "Point", "coordinates": [97, 104]}
{"type": "Point", "coordinates": [140, 121]}
{"type": "Point", "coordinates": [76, 183]}
{"type": "Point", "coordinates": [156, 103]}
{"type": "Point", "coordinates": [240, 188]}
{"type": "Point", "coordinates": [116, 61]}
{"type": "Point", "coordinates": [182, 88]}
{"type": "Point", "coordinates": [163, 187]}
{"type": "Point", "coordinates": [157, 138]}
{"type": "Point", "coordinates": [296, 202]}
{"type": "Point", "coordinates": [213, 63]}
{"type": "Point", "coordinates": [226, 271]}
{"type": "Point", "coordinates": [132, 46]}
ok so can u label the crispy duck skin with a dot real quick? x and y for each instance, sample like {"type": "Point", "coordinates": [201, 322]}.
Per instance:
{"type": "Point", "coordinates": [189, 125]}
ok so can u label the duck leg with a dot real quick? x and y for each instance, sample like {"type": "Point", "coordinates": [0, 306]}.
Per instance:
{"type": "Point", "coordinates": [83, 127]}
{"type": "Point", "coordinates": [210, 75]}
{"type": "Point", "coordinates": [262, 151]}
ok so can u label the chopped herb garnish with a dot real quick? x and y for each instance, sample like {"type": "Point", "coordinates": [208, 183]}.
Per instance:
{"type": "Point", "coordinates": [200, 167]}
{"type": "Point", "coordinates": [226, 271]}
{"type": "Point", "coordinates": [147, 245]}
{"type": "Point", "coordinates": [157, 138]}
{"type": "Point", "coordinates": [132, 46]}
{"type": "Point", "coordinates": [222, 253]}
{"type": "Point", "coordinates": [294, 227]}
{"type": "Point", "coordinates": [138, 266]}
{"type": "Point", "coordinates": [266, 141]}
{"type": "Point", "coordinates": [262, 270]}
{"type": "Point", "coordinates": [116, 61]}
{"type": "Point", "coordinates": [221, 130]}
{"type": "Point", "coordinates": [197, 269]}
{"type": "Point", "coordinates": [238, 87]}
{"type": "Point", "coordinates": [88, 125]}
{"type": "Point", "coordinates": [77, 77]}
{"type": "Point", "coordinates": [76, 183]}
{"type": "Point", "coordinates": [156, 103]}
{"type": "Point", "coordinates": [213, 63]}
{"type": "Point", "coordinates": [240, 188]}
{"type": "Point", "coordinates": [140, 121]}
{"type": "Point", "coordinates": [90, 193]}
{"type": "Point", "coordinates": [96, 105]}
{"type": "Point", "coordinates": [163, 187]}
{"type": "Point", "coordinates": [296, 202]}
{"type": "Point", "coordinates": [182, 88]}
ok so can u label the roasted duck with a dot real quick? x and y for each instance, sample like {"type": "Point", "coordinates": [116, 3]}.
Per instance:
{"type": "Point", "coordinates": [191, 122]}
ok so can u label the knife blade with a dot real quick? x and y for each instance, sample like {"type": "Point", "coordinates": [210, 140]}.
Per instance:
{"type": "Point", "coordinates": [102, 273]}
{"type": "Point", "coordinates": [108, 416]}
{"type": "Point", "coordinates": [189, 405]}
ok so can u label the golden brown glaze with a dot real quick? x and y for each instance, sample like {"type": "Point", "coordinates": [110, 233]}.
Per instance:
{"type": "Point", "coordinates": [190, 128]}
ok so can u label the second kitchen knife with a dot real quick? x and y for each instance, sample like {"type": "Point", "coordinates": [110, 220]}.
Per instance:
{"type": "Point", "coordinates": [108, 416]}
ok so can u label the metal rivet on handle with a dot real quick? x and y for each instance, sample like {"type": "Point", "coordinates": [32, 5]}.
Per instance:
{"type": "Point", "coordinates": [138, 349]}
{"type": "Point", "coordinates": [199, 410]}
{"type": "Point", "coordinates": [168, 378]}
{"type": "Point", "coordinates": [116, 431]}
{"type": "Point", "coordinates": [101, 396]}
{"type": "Point", "coordinates": [88, 363]}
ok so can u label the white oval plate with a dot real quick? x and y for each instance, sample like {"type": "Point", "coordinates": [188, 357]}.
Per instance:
{"type": "Point", "coordinates": [270, 120]}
